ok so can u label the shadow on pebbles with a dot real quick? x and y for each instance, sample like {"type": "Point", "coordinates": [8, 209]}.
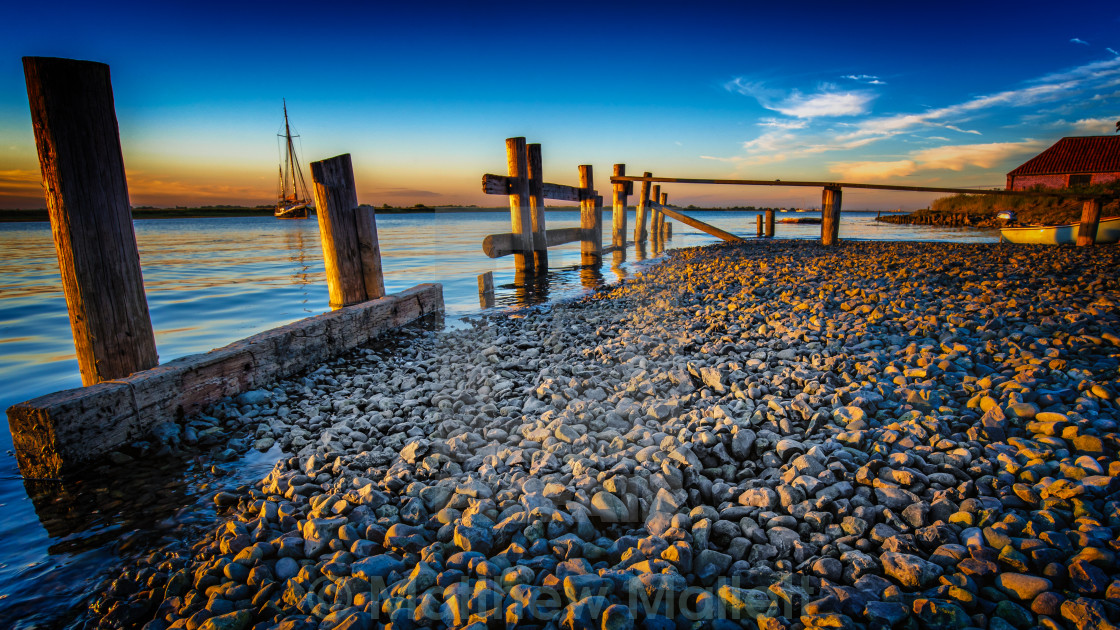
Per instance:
{"type": "Point", "coordinates": [771, 435]}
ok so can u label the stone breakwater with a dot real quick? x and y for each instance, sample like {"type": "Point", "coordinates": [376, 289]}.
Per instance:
{"type": "Point", "coordinates": [773, 435]}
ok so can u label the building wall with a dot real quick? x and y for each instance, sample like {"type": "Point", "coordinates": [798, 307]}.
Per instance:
{"type": "Point", "coordinates": [1023, 182]}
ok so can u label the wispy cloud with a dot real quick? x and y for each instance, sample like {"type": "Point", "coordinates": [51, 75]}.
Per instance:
{"type": "Point", "coordinates": [1047, 97]}
{"type": "Point", "coordinates": [1078, 40]}
{"type": "Point", "coordinates": [144, 188]}
{"type": "Point", "coordinates": [869, 79]}
{"type": "Point", "coordinates": [20, 182]}
{"type": "Point", "coordinates": [887, 126]}
{"type": "Point", "coordinates": [827, 101]}
{"type": "Point", "coordinates": [405, 192]}
{"type": "Point", "coordinates": [869, 171]}
{"type": "Point", "coordinates": [957, 157]}
{"type": "Point", "coordinates": [948, 157]}
{"type": "Point", "coordinates": [1093, 126]}
{"type": "Point", "coordinates": [1047, 88]}
{"type": "Point", "coordinates": [1112, 51]}
{"type": "Point", "coordinates": [783, 124]}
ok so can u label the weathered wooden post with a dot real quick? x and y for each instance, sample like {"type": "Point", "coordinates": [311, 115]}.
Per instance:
{"type": "Point", "coordinates": [643, 205]}
{"type": "Point", "coordinates": [351, 254]}
{"type": "Point", "coordinates": [769, 224]}
{"type": "Point", "coordinates": [655, 218]}
{"type": "Point", "coordinates": [618, 218]}
{"type": "Point", "coordinates": [486, 289]}
{"type": "Point", "coordinates": [590, 218]}
{"type": "Point", "coordinates": [661, 216]}
{"type": "Point", "coordinates": [599, 226]}
{"type": "Point", "coordinates": [536, 206]}
{"type": "Point", "coordinates": [758, 219]}
{"type": "Point", "coordinates": [830, 215]}
{"type": "Point", "coordinates": [369, 250]}
{"type": "Point", "coordinates": [519, 208]}
{"type": "Point", "coordinates": [79, 146]}
{"type": "Point", "coordinates": [1090, 220]}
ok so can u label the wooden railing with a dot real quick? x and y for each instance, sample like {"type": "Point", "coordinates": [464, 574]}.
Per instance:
{"type": "Point", "coordinates": [831, 199]}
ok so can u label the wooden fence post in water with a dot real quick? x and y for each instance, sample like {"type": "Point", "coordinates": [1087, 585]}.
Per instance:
{"type": "Point", "coordinates": [618, 222]}
{"type": "Point", "coordinates": [758, 220]}
{"type": "Point", "coordinates": [351, 255]}
{"type": "Point", "coordinates": [536, 206]}
{"type": "Point", "coordinates": [769, 224]}
{"type": "Point", "coordinates": [643, 205]}
{"type": "Point", "coordinates": [661, 216]}
{"type": "Point", "coordinates": [79, 146]}
{"type": "Point", "coordinates": [486, 289]}
{"type": "Point", "coordinates": [830, 215]}
{"type": "Point", "coordinates": [1090, 220]}
{"type": "Point", "coordinates": [655, 217]}
{"type": "Point", "coordinates": [590, 218]}
{"type": "Point", "coordinates": [519, 209]}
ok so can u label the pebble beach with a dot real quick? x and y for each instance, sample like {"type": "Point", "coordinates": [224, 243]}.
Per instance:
{"type": "Point", "coordinates": [763, 435]}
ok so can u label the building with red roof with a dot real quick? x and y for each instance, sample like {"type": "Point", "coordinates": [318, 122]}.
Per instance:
{"type": "Point", "coordinates": [1075, 161]}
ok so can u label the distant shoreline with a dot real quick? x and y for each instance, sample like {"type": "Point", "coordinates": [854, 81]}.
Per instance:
{"type": "Point", "coordinates": [40, 214]}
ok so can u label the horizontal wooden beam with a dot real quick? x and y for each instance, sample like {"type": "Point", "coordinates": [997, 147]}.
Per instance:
{"type": "Point", "coordinates": [56, 433]}
{"type": "Point", "coordinates": [498, 245]}
{"type": "Point", "coordinates": [501, 185]}
{"type": "Point", "coordinates": [699, 225]}
{"type": "Point", "coordinates": [780, 182]}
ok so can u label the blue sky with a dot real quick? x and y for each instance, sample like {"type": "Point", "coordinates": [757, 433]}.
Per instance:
{"type": "Point", "coordinates": [423, 95]}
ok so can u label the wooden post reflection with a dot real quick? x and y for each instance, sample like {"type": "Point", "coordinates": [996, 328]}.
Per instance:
{"type": "Point", "coordinates": [591, 277]}
{"type": "Point", "coordinates": [618, 257]}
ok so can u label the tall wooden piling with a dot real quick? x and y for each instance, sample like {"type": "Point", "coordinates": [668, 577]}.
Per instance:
{"type": "Point", "coordinates": [661, 216]}
{"type": "Point", "coordinates": [618, 217]}
{"type": "Point", "coordinates": [758, 220]}
{"type": "Point", "coordinates": [830, 215]}
{"type": "Point", "coordinates": [351, 255]}
{"type": "Point", "coordinates": [1090, 220]}
{"type": "Point", "coordinates": [643, 205]}
{"type": "Point", "coordinates": [75, 124]}
{"type": "Point", "coordinates": [536, 206]}
{"type": "Point", "coordinates": [369, 251]}
{"type": "Point", "coordinates": [519, 206]}
{"type": "Point", "coordinates": [590, 218]}
{"type": "Point", "coordinates": [769, 224]}
{"type": "Point", "coordinates": [655, 217]}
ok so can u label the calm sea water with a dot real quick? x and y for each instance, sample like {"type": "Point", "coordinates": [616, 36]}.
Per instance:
{"type": "Point", "coordinates": [210, 282]}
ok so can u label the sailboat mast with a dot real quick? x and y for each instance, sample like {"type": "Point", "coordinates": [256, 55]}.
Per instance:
{"type": "Point", "coordinates": [291, 153]}
{"type": "Point", "coordinates": [299, 186]}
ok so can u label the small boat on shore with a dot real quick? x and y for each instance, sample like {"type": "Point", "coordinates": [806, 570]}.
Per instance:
{"type": "Point", "coordinates": [293, 200]}
{"type": "Point", "coordinates": [1108, 231]}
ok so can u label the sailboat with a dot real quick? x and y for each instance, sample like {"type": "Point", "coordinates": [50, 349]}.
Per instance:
{"type": "Point", "coordinates": [293, 200]}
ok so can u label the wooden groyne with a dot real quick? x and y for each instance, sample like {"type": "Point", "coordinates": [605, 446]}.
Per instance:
{"type": "Point", "coordinates": [126, 393]}
{"type": "Point", "coordinates": [54, 434]}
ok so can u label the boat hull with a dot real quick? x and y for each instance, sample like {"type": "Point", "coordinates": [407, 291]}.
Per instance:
{"type": "Point", "coordinates": [299, 211]}
{"type": "Point", "coordinates": [1108, 231]}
